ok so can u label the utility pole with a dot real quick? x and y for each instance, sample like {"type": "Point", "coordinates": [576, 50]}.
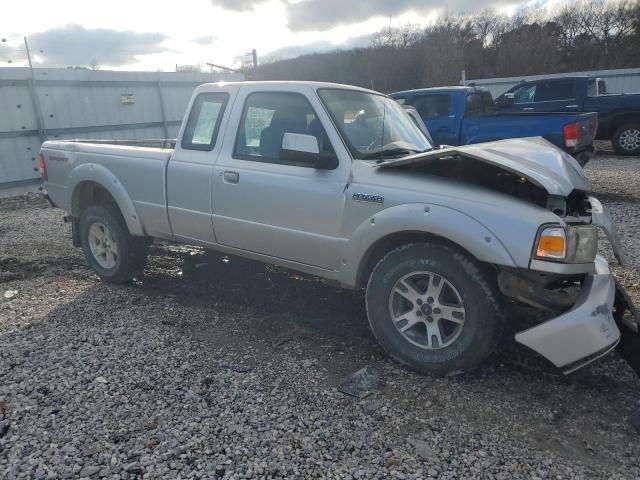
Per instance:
{"type": "Point", "coordinates": [254, 57]}
{"type": "Point", "coordinates": [34, 96]}
{"type": "Point", "coordinates": [26, 45]}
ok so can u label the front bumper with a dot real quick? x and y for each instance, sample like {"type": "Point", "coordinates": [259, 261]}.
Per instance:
{"type": "Point", "coordinates": [584, 333]}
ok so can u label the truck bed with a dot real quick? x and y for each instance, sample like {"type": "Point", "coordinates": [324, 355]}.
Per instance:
{"type": "Point", "coordinates": [133, 166]}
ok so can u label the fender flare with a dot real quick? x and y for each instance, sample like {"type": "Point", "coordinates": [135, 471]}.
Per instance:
{"type": "Point", "coordinates": [438, 220]}
{"type": "Point", "coordinates": [92, 172]}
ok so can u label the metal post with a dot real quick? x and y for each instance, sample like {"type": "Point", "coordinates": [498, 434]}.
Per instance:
{"type": "Point", "coordinates": [162, 111]}
{"type": "Point", "coordinates": [254, 57]}
{"type": "Point", "coordinates": [34, 97]}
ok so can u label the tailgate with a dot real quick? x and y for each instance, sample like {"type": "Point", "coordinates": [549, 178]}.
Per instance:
{"type": "Point", "coordinates": [588, 125]}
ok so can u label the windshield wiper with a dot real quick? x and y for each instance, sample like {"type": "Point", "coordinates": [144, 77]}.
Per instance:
{"type": "Point", "coordinates": [391, 153]}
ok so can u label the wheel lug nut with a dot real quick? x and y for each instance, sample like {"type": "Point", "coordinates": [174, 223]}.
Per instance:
{"type": "Point", "coordinates": [436, 310]}
{"type": "Point", "coordinates": [419, 313]}
{"type": "Point", "coordinates": [430, 300]}
{"type": "Point", "coordinates": [419, 302]}
{"type": "Point", "coordinates": [429, 319]}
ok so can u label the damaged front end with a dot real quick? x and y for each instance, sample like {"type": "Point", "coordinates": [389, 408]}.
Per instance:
{"type": "Point", "coordinates": [591, 313]}
{"type": "Point", "coordinates": [588, 312]}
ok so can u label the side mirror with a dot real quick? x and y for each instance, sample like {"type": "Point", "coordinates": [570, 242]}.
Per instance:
{"type": "Point", "coordinates": [506, 100]}
{"type": "Point", "coordinates": [303, 150]}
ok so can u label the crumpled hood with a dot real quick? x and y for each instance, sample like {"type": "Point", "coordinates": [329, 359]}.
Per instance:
{"type": "Point", "coordinates": [541, 162]}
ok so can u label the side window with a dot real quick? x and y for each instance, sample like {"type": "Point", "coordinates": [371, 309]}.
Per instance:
{"type": "Point", "coordinates": [554, 90]}
{"type": "Point", "coordinates": [488, 104]}
{"type": "Point", "coordinates": [267, 116]}
{"type": "Point", "coordinates": [592, 88]}
{"type": "Point", "coordinates": [433, 106]}
{"type": "Point", "coordinates": [474, 105]}
{"type": "Point", "coordinates": [204, 121]}
{"type": "Point", "coordinates": [602, 87]}
{"type": "Point", "coordinates": [524, 94]}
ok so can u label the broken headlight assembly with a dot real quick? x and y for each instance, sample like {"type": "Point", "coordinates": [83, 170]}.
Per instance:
{"type": "Point", "coordinates": [571, 244]}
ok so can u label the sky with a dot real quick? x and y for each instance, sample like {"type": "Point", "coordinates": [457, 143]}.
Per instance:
{"type": "Point", "coordinates": [157, 35]}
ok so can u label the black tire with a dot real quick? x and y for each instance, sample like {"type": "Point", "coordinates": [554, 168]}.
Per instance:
{"type": "Point", "coordinates": [474, 283]}
{"type": "Point", "coordinates": [622, 139]}
{"type": "Point", "coordinates": [131, 250]}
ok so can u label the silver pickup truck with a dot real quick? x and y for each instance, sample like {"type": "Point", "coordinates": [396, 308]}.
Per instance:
{"type": "Point", "coordinates": [339, 182]}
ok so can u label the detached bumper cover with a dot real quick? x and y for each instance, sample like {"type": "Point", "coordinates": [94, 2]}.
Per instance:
{"type": "Point", "coordinates": [600, 217]}
{"type": "Point", "coordinates": [584, 333]}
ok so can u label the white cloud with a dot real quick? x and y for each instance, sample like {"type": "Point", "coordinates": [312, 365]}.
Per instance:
{"type": "Point", "coordinates": [199, 31]}
{"type": "Point", "coordinates": [76, 45]}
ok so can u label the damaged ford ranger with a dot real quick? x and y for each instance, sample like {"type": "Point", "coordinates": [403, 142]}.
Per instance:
{"type": "Point", "coordinates": [339, 182]}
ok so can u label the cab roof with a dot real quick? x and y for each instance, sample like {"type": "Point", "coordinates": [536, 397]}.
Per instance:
{"type": "Point", "coordinates": [456, 88]}
{"type": "Point", "coordinates": [288, 83]}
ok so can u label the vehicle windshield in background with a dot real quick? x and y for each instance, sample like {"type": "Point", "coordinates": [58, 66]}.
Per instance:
{"type": "Point", "coordinates": [374, 126]}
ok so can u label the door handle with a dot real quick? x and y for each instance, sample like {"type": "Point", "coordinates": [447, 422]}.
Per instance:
{"type": "Point", "coordinates": [528, 108]}
{"type": "Point", "coordinates": [231, 177]}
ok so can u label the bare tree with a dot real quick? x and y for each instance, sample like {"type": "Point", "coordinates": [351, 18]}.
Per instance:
{"type": "Point", "coordinates": [589, 34]}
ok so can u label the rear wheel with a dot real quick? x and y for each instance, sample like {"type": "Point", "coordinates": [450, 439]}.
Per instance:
{"type": "Point", "coordinates": [626, 139]}
{"type": "Point", "coordinates": [113, 253]}
{"type": "Point", "coordinates": [434, 308]}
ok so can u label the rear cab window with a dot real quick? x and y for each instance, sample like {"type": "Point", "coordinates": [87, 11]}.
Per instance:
{"type": "Point", "coordinates": [204, 121]}
{"type": "Point", "coordinates": [479, 103]}
{"type": "Point", "coordinates": [432, 106]}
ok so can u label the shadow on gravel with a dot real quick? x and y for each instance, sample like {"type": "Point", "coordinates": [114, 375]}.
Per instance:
{"type": "Point", "coordinates": [281, 305]}
{"type": "Point", "coordinates": [198, 277]}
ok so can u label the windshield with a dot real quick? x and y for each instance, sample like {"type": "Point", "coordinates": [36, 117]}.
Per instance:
{"type": "Point", "coordinates": [374, 126]}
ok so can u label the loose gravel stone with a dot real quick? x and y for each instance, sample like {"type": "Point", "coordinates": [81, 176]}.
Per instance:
{"type": "Point", "coordinates": [213, 367]}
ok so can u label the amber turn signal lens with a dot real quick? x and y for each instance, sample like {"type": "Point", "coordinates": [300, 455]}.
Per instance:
{"type": "Point", "coordinates": [552, 244]}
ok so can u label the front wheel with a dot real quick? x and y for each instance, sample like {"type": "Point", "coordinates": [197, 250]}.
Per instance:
{"type": "Point", "coordinates": [113, 253]}
{"type": "Point", "coordinates": [626, 139]}
{"type": "Point", "coordinates": [434, 308]}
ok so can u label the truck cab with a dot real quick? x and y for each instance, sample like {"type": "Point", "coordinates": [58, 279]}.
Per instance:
{"type": "Point", "coordinates": [618, 113]}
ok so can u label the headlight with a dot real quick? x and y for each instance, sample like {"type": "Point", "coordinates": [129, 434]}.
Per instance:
{"type": "Point", "coordinates": [575, 244]}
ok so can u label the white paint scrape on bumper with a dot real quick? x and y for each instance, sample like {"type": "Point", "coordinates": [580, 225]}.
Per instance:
{"type": "Point", "coordinates": [584, 333]}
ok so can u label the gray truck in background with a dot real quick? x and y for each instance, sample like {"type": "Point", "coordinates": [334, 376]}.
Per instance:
{"type": "Point", "coordinates": [339, 182]}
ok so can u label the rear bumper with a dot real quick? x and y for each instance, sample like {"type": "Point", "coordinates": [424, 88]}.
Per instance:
{"type": "Point", "coordinates": [584, 333]}
{"type": "Point", "coordinates": [48, 199]}
{"type": "Point", "coordinates": [584, 156]}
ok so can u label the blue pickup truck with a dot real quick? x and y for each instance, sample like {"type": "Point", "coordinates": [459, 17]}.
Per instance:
{"type": "Point", "coordinates": [618, 113]}
{"type": "Point", "coordinates": [465, 115]}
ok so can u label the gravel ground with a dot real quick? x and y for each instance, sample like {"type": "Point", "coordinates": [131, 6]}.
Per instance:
{"type": "Point", "coordinates": [218, 367]}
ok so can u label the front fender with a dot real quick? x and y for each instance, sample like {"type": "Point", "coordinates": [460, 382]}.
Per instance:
{"type": "Point", "coordinates": [438, 220]}
{"type": "Point", "coordinates": [92, 172]}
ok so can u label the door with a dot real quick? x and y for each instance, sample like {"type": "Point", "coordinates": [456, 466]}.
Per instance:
{"type": "Point", "coordinates": [270, 205]}
{"type": "Point", "coordinates": [557, 95]}
{"type": "Point", "coordinates": [436, 110]}
{"type": "Point", "coordinates": [524, 97]}
{"type": "Point", "coordinates": [190, 169]}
